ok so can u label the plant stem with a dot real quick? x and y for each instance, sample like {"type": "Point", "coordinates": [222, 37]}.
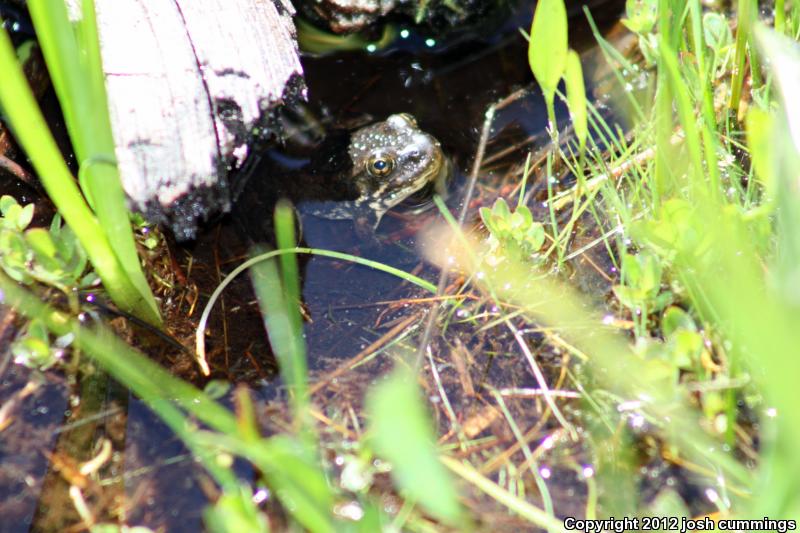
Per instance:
{"type": "Point", "coordinates": [31, 131]}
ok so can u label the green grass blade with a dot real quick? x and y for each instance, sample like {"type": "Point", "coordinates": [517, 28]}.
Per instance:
{"type": "Point", "coordinates": [618, 63]}
{"type": "Point", "coordinates": [513, 502]}
{"type": "Point", "coordinates": [286, 240]}
{"type": "Point", "coordinates": [576, 97]}
{"type": "Point", "coordinates": [706, 97]}
{"type": "Point", "coordinates": [745, 10]}
{"type": "Point", "coordinates": [780, 16]}
{"type": "Point", "coordinates": [30, 129]}
{"type": "Point", "coordinates": [282, 322]}
{"type": "Point", "coordinates": [76, 72]}
{"type": "Point", "coordinates": [57, 41]}
{"type": "Point", "coordinates": [778, 322]}
{"type": "Point", "coordinates": [401, 433]}
{"type": "Point", "coordinates": [289, 467]}
{"type": "Point", "coordinates": [683, 103]}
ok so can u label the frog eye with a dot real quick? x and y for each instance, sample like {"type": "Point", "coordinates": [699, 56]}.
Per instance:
{"type": "Point", "coordinates": [380, 165]}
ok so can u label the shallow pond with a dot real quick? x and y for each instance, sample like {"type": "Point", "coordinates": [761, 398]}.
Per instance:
{"type": "Point", "coordinates": [351, 310]}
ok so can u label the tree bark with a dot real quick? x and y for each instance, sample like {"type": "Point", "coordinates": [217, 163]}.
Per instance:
{"type": "Point", "coordinates": [192, 84]}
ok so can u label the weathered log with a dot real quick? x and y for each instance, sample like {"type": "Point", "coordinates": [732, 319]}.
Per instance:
{"type": "Point", "coordinates": [191, 84]}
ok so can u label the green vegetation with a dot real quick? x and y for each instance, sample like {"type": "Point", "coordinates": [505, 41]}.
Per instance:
{"type": "Point", "coordinates": [98, 216]}
{"type": "Point", "coordinates": [711, 243]}
{"type": "Point", "coordinates": [690, 362]}
{"type": "Point", "coordinates": [51, 257]}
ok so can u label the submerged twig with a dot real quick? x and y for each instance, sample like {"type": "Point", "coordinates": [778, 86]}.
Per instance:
{"type": "Point", "coordinates": [16, 170]}
{"type": "Point", "coordinates": [200, 343]}
{"type": "Point", "coordinates": [363, 354]}
{"type": "Point", "coordinates": [443, 275]}
{"type": "Point", "coordinates": [537, 372]}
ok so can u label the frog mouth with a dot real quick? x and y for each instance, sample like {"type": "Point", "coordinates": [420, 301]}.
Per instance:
{"type": "Point", "coordinates": [436, 181]}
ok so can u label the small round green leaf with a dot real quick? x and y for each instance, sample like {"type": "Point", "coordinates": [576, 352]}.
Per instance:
{"type": "Point", "coordinates": [547, 49]}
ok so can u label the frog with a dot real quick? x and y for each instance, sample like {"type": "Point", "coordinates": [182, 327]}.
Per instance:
{"type": "Point", "coordinates": [357, 175]}
{"type": "Point", "coordinates": [392, 161]}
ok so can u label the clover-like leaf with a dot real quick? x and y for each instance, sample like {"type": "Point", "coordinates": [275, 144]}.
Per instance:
{"type": "Point", "coordinates": [25, 217]}
{"type": "Point", "coordinates": [526, 214]}
{"type": "Point", "coordinates": [716, 31]}
{"type": "Point", "coordinates": [629, 297]}
{"type": "Point", "coordinates": [641, 15]}
{"type": "Point", "coordinates": [91, 279]}
{"type": "Point", "coordinates": [488, 220]}
{"type": "Point", "coordinates": [41, 242]}
{"type": "Point", "coordinates": [535, 236]}
{"type": "Point", "coordinates": [675, 318]}
{"type": "Point", "coordinates": [517, 223]}
{"type": "Point", "coordinates": [632, 270]}
{"type": "Point", "coordinates": [15, 216]}
{"type": "Point", "coordinates": [500, 209]}
{"type": "Point", "coordinates": [6, 201]}
{"type": "Point", "coordinates": [650, 281]}
{"type": "Point", "coordinates": [15, 257]}
{"type": "Point", "coordinates": [33, 351]}
{"type": "Point", "coordinates": [72, 253]}
{"type": "Point", "coordinates": [55, 226]}
{"type": "Point", "coordinates": [686, 348]}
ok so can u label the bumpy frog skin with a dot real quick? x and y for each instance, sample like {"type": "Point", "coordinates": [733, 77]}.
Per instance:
{"type": "Point", "coordinates": [391, 160]}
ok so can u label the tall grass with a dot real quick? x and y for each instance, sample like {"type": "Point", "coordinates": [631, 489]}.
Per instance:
{"type": "Point", "coordinates": [730, 250]}
{"type": "Point", "coordinates": [97, 212]}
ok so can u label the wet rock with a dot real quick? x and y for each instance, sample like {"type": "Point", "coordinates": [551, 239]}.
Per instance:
{"type": "Point", "coordinates": [345, 16]}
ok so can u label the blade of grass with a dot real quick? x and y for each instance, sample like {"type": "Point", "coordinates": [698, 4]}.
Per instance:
{"type": "Point", "coordinates": [401, 433]}
{"type": "Point", "coordinates": [618, 63]}
{"type": "Point", "coordinates": [576, 98]}
{"type": "Point", "coordinates": [745, 11]}
{"type": "Point", "coordinates": [683, 103]}
{"type": "Point", "coordinates": [279, 301]}
{"type": "Point", "coordinates": [76, 72]}
{"type": "Point", "coordinates": [30, 129]}
{"type": "Point", "coordinates": [510, 501]}
{"type": "Point", "coordinates": [288, 466]}
{"type": "Point", "coordinates": [286, 240]}
{"type": "Point", "coordinates": [285, 333]}
{"type": "Point", "coordinates": [200, 341]}
{"type": "Point", "coordinates": [778, 324]}
{"type": "Point", "coordinates": [709, 129]}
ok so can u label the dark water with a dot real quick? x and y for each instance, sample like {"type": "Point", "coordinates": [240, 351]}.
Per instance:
{"type": "Point", "coordinates": [447, 86]}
